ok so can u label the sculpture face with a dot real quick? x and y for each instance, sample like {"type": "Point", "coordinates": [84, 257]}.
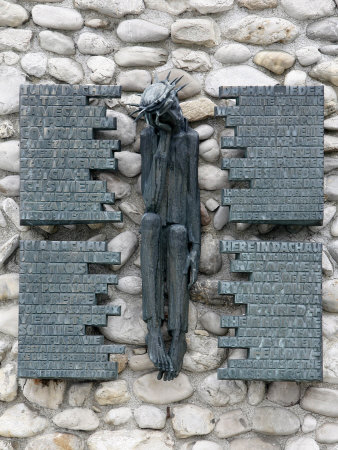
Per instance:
{"type": "Point", "coordinates": [170, 227]}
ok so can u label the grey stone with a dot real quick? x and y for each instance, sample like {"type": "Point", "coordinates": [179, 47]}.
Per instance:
{"type": "Point", "coordinates": [210, 260]}
{"type": "Point", "coordinates": [327, 433]}
{"type": "Point", "coordinates": [140, 362]}
{"type": "Point", "coordinates": [55, 441]}
{"type": "Point", "coordinates": [326, 71]}
{"type": "Point", "coordinates": [256, 392]}
{"type": "Point", "coordinates": [126, 129]}
{"type": "Point", "coordinates": [330, 164]}
{"type": "Point", "coordinates": [10, 156]}
{"type": "Point", "coordinates": [132, 211]}
{"type": "Point", "coordinates": [93, 44]}
{"type": "Point", "coordinates": [331, 50]}
{"type": "Point", "coordinates": [295, 78]}
{"type": "Point", "coordinates": [330, 361]}
{"type": "Point", "coordinates": [309, 423]}
{"type": "Point", "coordinates": [10, 81]}
{"type": "Point", "coordinates": [202, 354]}
{"type": "Point", "coordinates": [9, 320]}
{"type": "Point", "coordinates": [102, 69]}
{"type": "Point", "coordinates": [8, 248]}
{"type": "Point", "coordinates": [212, 204]}
{"type": "Point", "coordinates": [56, 42]}
{"type": "Point", "coordinates": [138, 30]}
{"type": "Point", "coordinates": [57, 18]}
{"type": "Point", "coordinates": [262, 30]}
{"type": "Point", "coordinates": [8, 382]}
{"type": "Point", "coordinates": [330, 143]}
{"type": "Point", "coordinates": [134, 80]}
{"type": "Point", "coordinates": [112, 393]}
{"type": "Point", "coordinates": [130, 285]}
{"type": "Point", "coordinates": [195, 31]}
{"type": "Point", "coordinates": [322, 401]}
{"type": "Point", "coordinates": [221, 217]}
{"type": "Point", "coordinates": [331, 123]}
{"type": "Point", "coordinates": [151, 390]}
{"type": "Point", "coordinates": [12, 15]}
{"type": "Point", "coordinates": [141, 56]}
{"type": "Point", "coordinates": [265, 228]}
{"type": "Point", "coordinates": [130, 439]}
{"type": "Point", "coordinates": [9, 286]}
{"type": "Point", "coordinates": [326, 29]}
{"type": "Point", "coordinates": [330, 326]}
{"type": "Point", "coordinates": [191, 60]}
{"type": "Point", "coordinates": [308, 55]}
{"type": "Point", "coordinates": [78, 393]}
{"type": "Point", "coordinates": [232, 423]}
{"type": "Point", "coordinates": [96, 23]}
{"type": "Point", "coordinates": [216, 392]}
{"type": "Point", "coordinates": [34, 64]}
{"type": "Point", "coordinates": [147, 416]}
{"type": "Point", "coordinates": [112, 8]}
{"type": "Point", "coordinates": [329, 210]}
{"type": "Point", "coordinates": [274, 60]}
{"type": "Point", "coordinates": [211, 322]}
{"type": "Point", "coordinates": [48, 394]}
{"type": "Point", "coordinates": [255, 443]}
{"type": "Point", "coordinates": [15, 39]}
{"type": "Point", "coordinates": [191, 420]}
{"type": "Point", "coordinates": [193, 86]}
{"type": "Point", "coordinates": [301, 443]}
{"type": "Point", "coordinates": [209, 150]}
{"type": "Point", "coordinates": [275, 421]}
{"type": "Point", "coordinates": [232, 54]}
{"type": "Point", "coordinates": [257, 4]}
{"type": "Point", "coordinates": [77, 419]}
{"type": "Point", "coordinates": [19, 422]}
{"type": "Point", "coordinates": [327, 267]}
{"type": "Point", "coordinates": [126, 243]}
{"type": "Point", "coordinates": [10, 58]}
{"type": "Point", "coordinates": [65, 69]}
{"type": "Point", "coordinates": [6, 129]}
{"type": "Point", "coordinates": [11, 209]}
{"type": "Point", "coordinates": [308, 9]}
{"type": "Point", "coordinates": [201, 445]}
{"type": "Point", "coordinates": [211, 178]}
{"type": "Point", "coordinates": [129, 163]}
{"type": "Point", "coordinates": [334, 227]}
{"type": "Point", "coordinates": [174, 7]}
{"type": "Point", "coordinates": [116, 185]}
{"type": "Point", "coordinates": [241, 73]}
{"type": "Point", "coordinates": [118, 416]}
{"type": "Point", "coordinates": [285, 393]}
{"type": "Point", "coordinates": [211, 6]}
{"type": "Point", "coordinates": [129, 328]}
{"type": "Point", "coordinates": [204, 131]}
{"type": "Point", "coordinates": [330, 297]}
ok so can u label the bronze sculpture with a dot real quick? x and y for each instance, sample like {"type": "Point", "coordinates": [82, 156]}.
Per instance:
{"type": "Point", "coordinates": [170, 227]}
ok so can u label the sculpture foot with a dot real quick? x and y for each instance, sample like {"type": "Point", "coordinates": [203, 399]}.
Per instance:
{"type": "Point", "coordinates": [157, 353]}
{"type": "Point", "coordinates": [177, 351]}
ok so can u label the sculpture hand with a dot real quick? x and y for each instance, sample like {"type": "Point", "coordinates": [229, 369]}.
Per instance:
{"type": "Point", "coordinates": [192, 264]}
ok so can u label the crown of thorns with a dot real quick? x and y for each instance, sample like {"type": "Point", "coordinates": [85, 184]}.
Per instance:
{"type": "Point", "coordinates": [156, 96]}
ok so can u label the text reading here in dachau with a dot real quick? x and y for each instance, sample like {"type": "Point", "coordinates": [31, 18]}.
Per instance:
{"type": "Point", "coordinates": [57, 301]}
{"type": "Point", "coordinates": [59, 150]}
{"type": "Point", "coordinates": [282, 327]}
{"type": "Point", "coordinates": [280, 130]}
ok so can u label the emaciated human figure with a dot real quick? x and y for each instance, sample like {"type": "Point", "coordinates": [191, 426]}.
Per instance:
{"type": "Point", "coordinates": [170, 227]}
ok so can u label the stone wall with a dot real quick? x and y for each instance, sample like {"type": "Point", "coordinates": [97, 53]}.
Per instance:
{"type": "Point", "coordinates": [216, 42]}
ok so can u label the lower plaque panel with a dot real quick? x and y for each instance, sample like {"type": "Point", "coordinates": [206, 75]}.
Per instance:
{"type": "Point", "coordinates": [282, 328]}
{"type": "Point", "coordinates": [57, 301]}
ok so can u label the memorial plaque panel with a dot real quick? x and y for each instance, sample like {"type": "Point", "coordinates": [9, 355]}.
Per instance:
{"type": "Point", "coordinates": [58, 151]}
{"type": "Point", "coordinates": [57, 300]}
{"type": "Point", "coordinates": [280, 129]}
{"type": "Point", "coordinates": [282, 328]}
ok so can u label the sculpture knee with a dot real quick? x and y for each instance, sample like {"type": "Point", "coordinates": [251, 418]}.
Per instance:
{"type": "Point", "coordinates": [150, 221]}
{"type": "Point", "coordinates": [177, 236]}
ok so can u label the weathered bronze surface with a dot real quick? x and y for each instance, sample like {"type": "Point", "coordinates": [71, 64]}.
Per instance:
{"type": "Point", "coordinates": [58, 151]}
{"type": "Point", "coordinates": [57, 301]}
{"type": "Point", "coordinates": [280, 129]}
{"type": "Point", "coordinates": [170, 227]}
{"type": "Point", "coordinates": [282, 328]}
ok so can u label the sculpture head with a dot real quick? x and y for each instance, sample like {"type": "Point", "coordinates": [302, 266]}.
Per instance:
{"type": "Point", "coordinates": [159, 104]}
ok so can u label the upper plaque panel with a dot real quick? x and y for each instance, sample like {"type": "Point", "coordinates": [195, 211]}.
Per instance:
{"type": "Point", "coordinates": [282, 328]}
{"type": "Point", "coordinates": [280, 129]}
{"type": "Point", "coordinates": [58, 151]}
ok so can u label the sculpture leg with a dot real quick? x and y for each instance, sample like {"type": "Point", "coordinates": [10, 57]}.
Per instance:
{"type": "Point", "coordinates": [152, 289]}
{"type": "Point", "coordinates": [178, 295]}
